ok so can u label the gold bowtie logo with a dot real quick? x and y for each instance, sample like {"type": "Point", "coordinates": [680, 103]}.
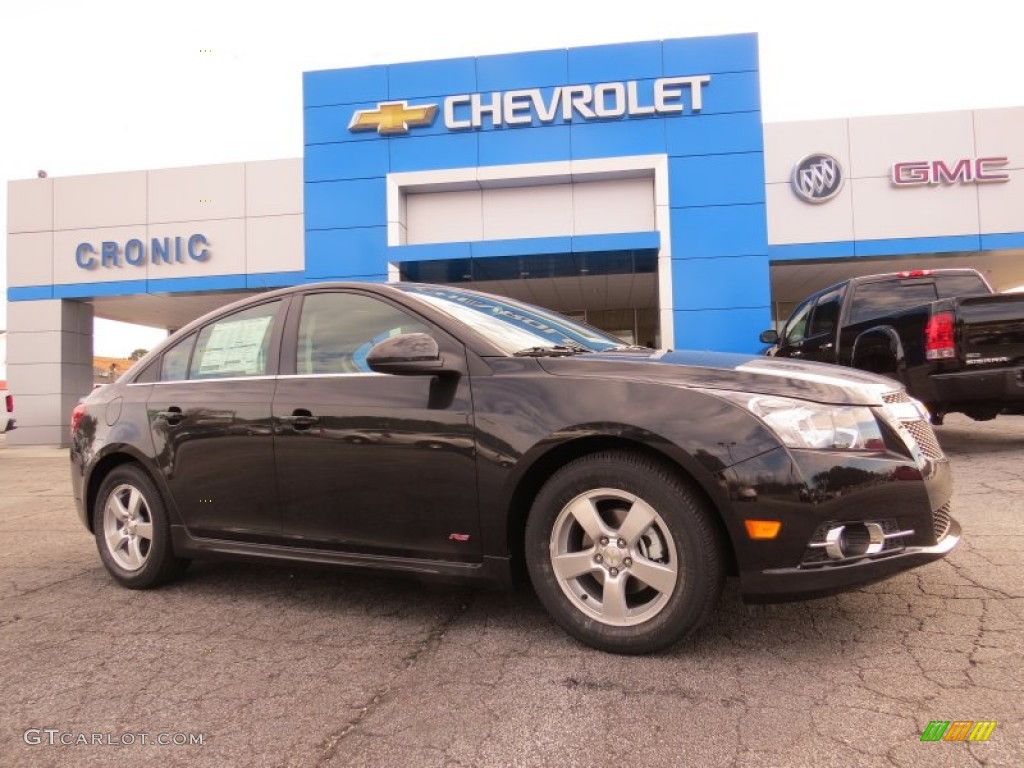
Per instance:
{"type": "Point", "coordinates": [391, 117]}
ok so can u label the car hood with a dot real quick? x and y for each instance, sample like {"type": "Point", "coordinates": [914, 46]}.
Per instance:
{"type": "Point", "coordinates": [719, 370]}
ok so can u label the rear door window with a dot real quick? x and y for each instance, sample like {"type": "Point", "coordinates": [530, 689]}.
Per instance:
{"type": "Point", "coordinates": [235, 346]}
{"type": "Point", "coordinates": [174, 363]}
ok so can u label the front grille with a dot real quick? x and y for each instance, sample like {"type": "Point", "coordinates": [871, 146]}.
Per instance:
{"type": "Point", "coordinates": [896, 397]}
{"type": "Point", "coordinates": [923, 435]}
{"type": "Point", "coordinates": [940, 521]}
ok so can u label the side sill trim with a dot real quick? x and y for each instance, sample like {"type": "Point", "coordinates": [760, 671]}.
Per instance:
{"type": "Point", "coordinates": [491, 570]}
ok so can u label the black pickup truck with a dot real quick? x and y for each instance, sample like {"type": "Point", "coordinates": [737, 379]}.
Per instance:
{"type": "Point", "coordinates": [955, 344]}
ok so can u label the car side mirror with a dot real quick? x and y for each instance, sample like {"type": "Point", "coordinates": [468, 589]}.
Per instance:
{"type": "Point", "coordinates": [409, 354]}
{"type": "Point", "coordinates": [769, 337]}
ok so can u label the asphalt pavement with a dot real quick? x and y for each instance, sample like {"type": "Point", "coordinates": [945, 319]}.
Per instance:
{"type": "Point", "coordinates": [239, 665]}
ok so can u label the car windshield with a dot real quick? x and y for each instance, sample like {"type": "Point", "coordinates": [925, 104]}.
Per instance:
{"type": "Point", "coordinates": [514, 327]}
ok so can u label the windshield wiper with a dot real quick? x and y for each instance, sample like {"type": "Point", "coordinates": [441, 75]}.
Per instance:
{"type": "Point", "coordinates": [556, 351]}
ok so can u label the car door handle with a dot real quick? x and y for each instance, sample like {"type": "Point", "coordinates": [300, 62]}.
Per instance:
{"type": "Point", "coordinates": [172, 415]}
{"type": "Point", "coordinates": [300, 419]}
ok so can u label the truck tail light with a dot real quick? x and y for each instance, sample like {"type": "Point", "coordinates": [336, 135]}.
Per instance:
{"type": "Point", "coordinates": [914, 273]}
{"type": "Point", "coordinates": [76, 416]}
{"type": "Point", "coordinates": [938, 337]}
{"type": "Point", "coordinates": [9, 402]}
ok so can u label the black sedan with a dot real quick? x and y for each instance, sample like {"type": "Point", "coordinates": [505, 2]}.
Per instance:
{"type": "Point", "coordinates": [452, 434]}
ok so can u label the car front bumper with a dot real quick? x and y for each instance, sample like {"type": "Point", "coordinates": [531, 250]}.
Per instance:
{"type": "Point", "coordinates": [787, 584]}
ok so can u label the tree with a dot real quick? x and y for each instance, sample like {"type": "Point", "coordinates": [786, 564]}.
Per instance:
{"type": "Point", "coordinates": [138, 354]}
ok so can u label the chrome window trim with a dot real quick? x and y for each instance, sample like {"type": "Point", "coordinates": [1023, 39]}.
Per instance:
{"type": "Point", "coordinates": [201, 381]}
{"type": "Point", "coordinates": [258, 378]}
{"type": "Point", "coordinates": [328, 375]}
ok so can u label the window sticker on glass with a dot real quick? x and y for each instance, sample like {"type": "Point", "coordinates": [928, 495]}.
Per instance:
{"type": "Point", "coordinates": [234, 348]}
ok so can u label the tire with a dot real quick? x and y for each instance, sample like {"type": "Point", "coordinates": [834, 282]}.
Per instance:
{"type": "Point", "coordinates": [128, 507]}
{"type": "Point", "coordinates": [656, 579]}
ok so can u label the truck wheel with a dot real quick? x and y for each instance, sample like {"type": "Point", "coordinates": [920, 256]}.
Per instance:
{"type": "Point", "coordinates": [881, 363]}
{"type": "Point", "coordinates": [623, 555]}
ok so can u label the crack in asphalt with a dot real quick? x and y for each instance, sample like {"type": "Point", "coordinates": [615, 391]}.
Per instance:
{"type": "Point", "coordinates": [429, 642]}
{"type": "Point", "coordinates": [57, 583]}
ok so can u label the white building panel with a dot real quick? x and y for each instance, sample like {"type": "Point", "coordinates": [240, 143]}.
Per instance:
{"type": "Point", "coordinates": [878, 142]}
{"type": "Point", "coordinates": [1001, 204]}
{"type": "Point", "coordinates": [622, 205]}
{"type": "Point", "coordinates": [541, 210]}
{"type": "Point", "coordinates": [1000, 133]}
{"type": "Point", "coordinates": [49, 314]}
{"type": "Point", "coordinates": [49, 346]}
{"type": "Point", "coordinates": [29, 259]}
{"type": "Point", "coordinates": [195, 194]}
{"type": "Point", "coordinates": [791, 220]}
{"type": "Point", "coordinates": [100, 200]}
{"type": "Point", "coordinates": [30, 205]}
{"type": "Point", "coordinates": [528, 212]}
{"type": "Point", "coordinates": [882, 211]}
{"type": "Point", "coordinates": [444, 217]}
{"type": "Point", "coordinates": [274, 244]}
{"type": "Point", "coordinates": [273, 188]}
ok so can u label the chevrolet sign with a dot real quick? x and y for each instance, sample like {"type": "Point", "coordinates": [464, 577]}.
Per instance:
{"type": "Point", "coordinates": [564, 103]}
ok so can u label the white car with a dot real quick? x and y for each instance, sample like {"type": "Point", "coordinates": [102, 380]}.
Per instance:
{"type": "Point", "coordinates": [6, 409]}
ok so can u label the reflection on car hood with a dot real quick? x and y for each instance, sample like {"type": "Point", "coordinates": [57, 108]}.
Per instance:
{"type": "Point", "coordinates": [719, 370]}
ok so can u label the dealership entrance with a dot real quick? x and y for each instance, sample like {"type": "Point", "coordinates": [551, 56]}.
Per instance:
{"type": "Point", "coordinates": [616, 291]}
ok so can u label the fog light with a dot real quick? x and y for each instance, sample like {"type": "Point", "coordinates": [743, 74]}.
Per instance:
{"type": "Point", "coordinates": [763, 529]}
{"type": "Point", "coordinates": [854, 540]}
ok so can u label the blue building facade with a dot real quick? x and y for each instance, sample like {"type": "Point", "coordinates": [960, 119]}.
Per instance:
{"type": "Point", "coordinates": [686, 113]}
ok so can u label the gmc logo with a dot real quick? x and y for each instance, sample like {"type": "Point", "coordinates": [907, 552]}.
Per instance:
{"type": "Point", "coordinates": [963, 171]}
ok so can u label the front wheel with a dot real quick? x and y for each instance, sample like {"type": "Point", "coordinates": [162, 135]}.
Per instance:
{"type": "Point", "coordinates": [622, 553]}
{"type": "Point", "coordinates": [132, 531]}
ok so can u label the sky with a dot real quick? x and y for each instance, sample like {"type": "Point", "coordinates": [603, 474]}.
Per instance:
{"type": "Point", "coordinates": [94, 86]}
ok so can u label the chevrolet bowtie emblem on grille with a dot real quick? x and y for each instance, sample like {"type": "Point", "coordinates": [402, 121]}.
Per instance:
{"type": "Point", "coordinates": [393, 117]}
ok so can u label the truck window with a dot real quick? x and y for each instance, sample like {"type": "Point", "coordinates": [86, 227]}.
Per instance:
{"type": "Point", "coordinates": [825, 317]}
{"type": "Point", "coordinates": [796, 326]}
{"type": "Point", "coordinates": [961, 285]}
{"type": "Point", "coordinates": [890, 296]}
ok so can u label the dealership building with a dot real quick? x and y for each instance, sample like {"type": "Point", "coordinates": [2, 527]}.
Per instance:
{"type": "Point", "coordinates": [634, 186]}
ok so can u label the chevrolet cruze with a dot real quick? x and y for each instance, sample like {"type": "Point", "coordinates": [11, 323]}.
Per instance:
{"type": "Point", "coordinates": [444, 433]}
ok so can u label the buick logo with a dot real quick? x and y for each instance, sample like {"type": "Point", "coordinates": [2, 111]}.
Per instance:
{"type": "Point", "coordinates": [817, 178]}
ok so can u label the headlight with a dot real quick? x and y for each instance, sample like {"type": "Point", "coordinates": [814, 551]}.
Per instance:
{"type": "Point", "coordinates": [802, 424]}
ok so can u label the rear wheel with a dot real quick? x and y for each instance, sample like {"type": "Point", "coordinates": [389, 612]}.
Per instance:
{"type": "Point", "coordinates": [622, 553]}
{"type": "Point", "coordinates": [878, 361]}
{"type": "Point", "coordinates": [132, 530]}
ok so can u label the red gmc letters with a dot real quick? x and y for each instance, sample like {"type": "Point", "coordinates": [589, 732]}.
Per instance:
{"type": "Point", "coordinates": [965, 170]}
